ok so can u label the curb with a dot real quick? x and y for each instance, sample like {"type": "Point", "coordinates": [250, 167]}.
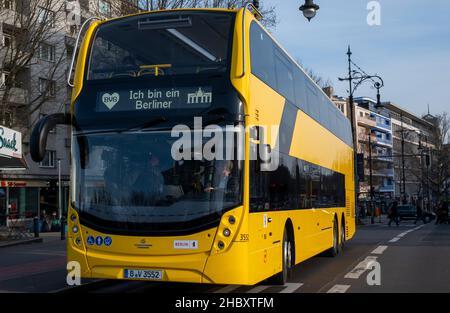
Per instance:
{"type": "Point", "coordinates": [20, 242]}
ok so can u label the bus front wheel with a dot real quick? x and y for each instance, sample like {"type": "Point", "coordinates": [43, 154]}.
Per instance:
{"type": "Point", "coordinates": [287, 260]}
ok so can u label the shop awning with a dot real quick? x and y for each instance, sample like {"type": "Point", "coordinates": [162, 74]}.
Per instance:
{"type": "Point", "coordinates": [10, 164]}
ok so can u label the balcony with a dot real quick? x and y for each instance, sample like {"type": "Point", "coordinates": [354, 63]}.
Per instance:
{"type": "Point", "coordinates": [16, 95]}
{"type": "Point", "coordinates": [387, 188]}
{"type": "Point", "coordinates": [366, 122]}
{"type": "Point", "coordinates": [382, 141]}
{"type": "Point", "coordinates": [382, 157]}
{"type": "Point", "coordinates": [385, 172]}
{"type": "Point", "coordinates": [383, 126]}
{"type": "Point", "coordinates": [11, 17]}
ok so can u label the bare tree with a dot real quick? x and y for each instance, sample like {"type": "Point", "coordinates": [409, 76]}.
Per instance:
{"type": "Point", "coordinates": [31, 28]}
{"type": "Point", "coordinates": [436, 175]}
{"type": "Point", "coordinates": [131, 6]}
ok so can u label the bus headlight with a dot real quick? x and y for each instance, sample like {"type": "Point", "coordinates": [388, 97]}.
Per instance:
{"type": "Point", "coordinates": [231, 219]}
{"type": "Point", "coordinates": [226, 232]}
{"type": "Point", "coordinates": [75, 229]}
{"type": "Point", "coordinates": [73, 217]}
{"type": "Point", "coordinates": [78, 241]}
{"type": "Point", "coordinates": [221, 245]}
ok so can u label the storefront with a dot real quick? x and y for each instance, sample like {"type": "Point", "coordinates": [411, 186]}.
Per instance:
{"type": "Point", "coordinates": [10, 159]}
{"type": "Point", "coordinates": [27, 199]}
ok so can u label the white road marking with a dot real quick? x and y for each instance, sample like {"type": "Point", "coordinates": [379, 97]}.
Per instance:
{"type": "Point", "coordinates": [258, 289]}
{"type": "Point", "coordinates": [339, 289]}
{"type": "Point", "coordinates": [227, 289]}
{"type": "Point", "coordinates": [379, 250]}
{"type": "Point", "coordinates": [360, 268]}
{"type": "Point", "coordinates": [291, 287]}
{"type": "Point", "coordinates": [400, 236]}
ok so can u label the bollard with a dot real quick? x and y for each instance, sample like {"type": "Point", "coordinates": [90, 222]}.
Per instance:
{"type": "Point", "coordinates": [36, 226]}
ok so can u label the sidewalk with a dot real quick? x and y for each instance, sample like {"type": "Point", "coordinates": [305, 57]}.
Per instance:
{"type": "Point", "coordinates": [5, 242]}
{"type": "Point", "coordinates": [367, 221]}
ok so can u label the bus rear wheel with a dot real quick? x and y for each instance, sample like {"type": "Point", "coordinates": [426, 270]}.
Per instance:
{"type": "Point", "coordinates": [334, 250]}
{"type": "Point", "coordinates": [287, 260]}
{"type": "Point", "coordinates": [342, 234]}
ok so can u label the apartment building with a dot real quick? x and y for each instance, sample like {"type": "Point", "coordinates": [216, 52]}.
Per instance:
{"type": "Point", "coordinates": [34, 65]}
{"type": "Point", "coordinates": [375, 142]}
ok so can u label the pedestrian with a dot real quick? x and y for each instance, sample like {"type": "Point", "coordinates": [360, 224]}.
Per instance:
{"type": "Point", "coordinates": [393, 213]}
{"type": "Point", "coordinates": [445, 217]}
{"type": "Point", "coordinates": [419, 214]}
{"type": "Point", "coordinates": [439, 212]}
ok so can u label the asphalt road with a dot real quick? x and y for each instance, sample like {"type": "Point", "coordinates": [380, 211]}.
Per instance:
{"type": "Point", "coordinates": [409, 258]}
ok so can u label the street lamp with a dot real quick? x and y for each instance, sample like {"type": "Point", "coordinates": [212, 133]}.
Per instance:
{"type": "Point", "coordinates": [355, 79]}
{"type": "Point", "coordinates": [309, 9]}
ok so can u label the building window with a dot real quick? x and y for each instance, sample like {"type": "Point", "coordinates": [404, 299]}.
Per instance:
{"type": "Point", "coordinates": [104, 7]}
{"type": "Point", "coordinates": [3, 78]}
{"type": "Point", "coordinates": [8, 41]}
{"type": "Point", "coordinates": [8, 4]}
{"type": "Point", "coordinates": [46, 16]}
{"type": "Point", "coordinates": [47, 87]}
{"type": "Point", "coordinates": [49, 159]}
{"type": "Point", "coordinates": [47, 52]}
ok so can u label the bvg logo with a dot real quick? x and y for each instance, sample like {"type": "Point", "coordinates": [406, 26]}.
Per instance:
{"type": "Point", "coordinates": [110, 100]}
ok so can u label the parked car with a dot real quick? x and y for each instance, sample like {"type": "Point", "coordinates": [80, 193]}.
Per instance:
{"type": "Point", "coordinates": [407, 212]}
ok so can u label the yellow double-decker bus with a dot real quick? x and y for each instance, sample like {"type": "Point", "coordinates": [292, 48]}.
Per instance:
{"type": "Point", "coordinates": [148, 204]}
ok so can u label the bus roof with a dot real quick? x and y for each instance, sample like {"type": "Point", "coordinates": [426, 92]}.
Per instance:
{"type": "Point", "coordinates": [170, 10]}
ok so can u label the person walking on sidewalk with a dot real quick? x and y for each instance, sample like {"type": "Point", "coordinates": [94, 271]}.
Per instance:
{"type": "Point", "coordinates": [393, 213]}
{"type": "Point", "coordinates": [419, 214]}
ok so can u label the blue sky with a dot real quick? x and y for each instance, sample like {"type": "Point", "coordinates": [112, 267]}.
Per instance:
{"type": "Point", "coordinates": [410, 49]}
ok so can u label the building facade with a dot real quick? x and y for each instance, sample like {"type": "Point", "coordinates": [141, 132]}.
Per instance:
{"type": "Point", "coordinates": [375, 143]}
{"type": "Point", "coordinates": [37, 40]}
{"type": "Point", "coordinates": [412, 139]}
{"type": "Point", "coordinates": [395, 143]}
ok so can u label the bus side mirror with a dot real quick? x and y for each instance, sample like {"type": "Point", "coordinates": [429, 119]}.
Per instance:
{"type": "Point", "coordinates": [38, 139]}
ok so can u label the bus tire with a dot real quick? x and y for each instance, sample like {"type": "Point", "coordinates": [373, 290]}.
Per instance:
{"type": "Point", "coordinates": [287, 260]}
{"type": "Point", "coordinates": [342, 234]}
{"type": "Point", "coordinates": [334, 250]}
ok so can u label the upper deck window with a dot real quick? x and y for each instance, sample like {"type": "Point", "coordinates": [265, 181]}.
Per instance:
{"type": "Point", "coordinates": [173, 43]}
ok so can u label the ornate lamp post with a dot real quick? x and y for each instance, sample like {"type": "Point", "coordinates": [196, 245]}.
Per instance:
{"type": "Point", "coordinates": [355, 79]}
{"type": "Point", "coordinates": [309, 9]}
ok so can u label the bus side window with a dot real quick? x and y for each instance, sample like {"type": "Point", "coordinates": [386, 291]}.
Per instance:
{"type": "Point", "coordinates": [285, 77]}
{"type": "Point", "coordinates": [262, 55]}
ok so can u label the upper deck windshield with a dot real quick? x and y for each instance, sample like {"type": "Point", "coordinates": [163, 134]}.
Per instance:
{"type": "Point", "coordinates": [173, 43]}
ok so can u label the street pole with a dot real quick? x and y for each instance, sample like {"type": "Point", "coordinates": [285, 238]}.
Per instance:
{"type": "Point", "coordinates": [403, 188]}
{"type": "Point", "coordinates": [372, 219]}
{"type": "Point", "coordinates": [353, 128]}
{"type": "Point", "coordinates": [61, 219]}
{"type": "Point", "coordinates": [422, 185]}
{"type": "Point", "coordinates": [357, 78]}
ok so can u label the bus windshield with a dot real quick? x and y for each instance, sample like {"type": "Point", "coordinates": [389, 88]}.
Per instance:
{"type": "Point", "coordinates": [173, 43]}
{"type": "Point", "coordinates": [130, 183]}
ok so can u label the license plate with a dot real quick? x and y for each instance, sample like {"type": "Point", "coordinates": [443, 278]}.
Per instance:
{"type": "Point", "coordinates": [143, 274]}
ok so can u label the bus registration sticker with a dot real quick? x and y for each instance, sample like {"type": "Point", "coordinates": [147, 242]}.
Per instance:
{"type": "Point", "coordinates": [143, 274]}
{"type": "Point", "coordinates": [185, 244]}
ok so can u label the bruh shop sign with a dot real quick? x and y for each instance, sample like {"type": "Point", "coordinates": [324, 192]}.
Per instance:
{"type": "Point", "coordinates": [10, 143]}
